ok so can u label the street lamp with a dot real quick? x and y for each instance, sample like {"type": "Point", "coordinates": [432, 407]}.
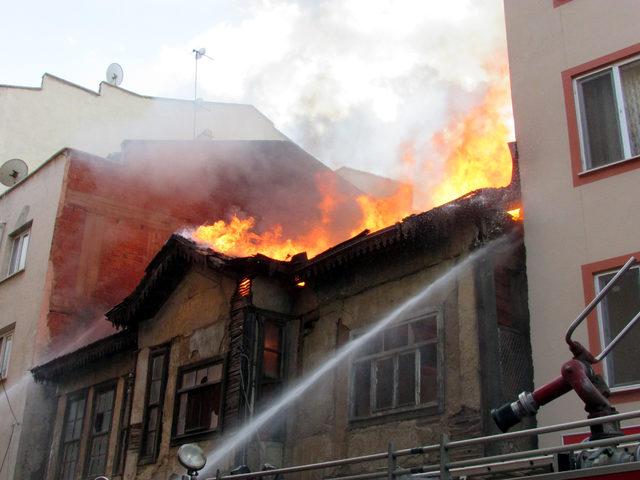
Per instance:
{"type": "Point", "coordinates": [192, 458]}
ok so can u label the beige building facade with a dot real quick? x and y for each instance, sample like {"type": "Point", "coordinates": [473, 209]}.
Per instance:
{"type": "Point", "coordinates": [575, 80]}
{"type": "Point", "coordinates": [36, 122]}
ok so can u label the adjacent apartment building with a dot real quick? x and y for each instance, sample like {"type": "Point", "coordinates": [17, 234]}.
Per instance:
{"type": "Point", "coordinates": [35, 122]}
{"type": "Point", "coordinates": [575, 79]}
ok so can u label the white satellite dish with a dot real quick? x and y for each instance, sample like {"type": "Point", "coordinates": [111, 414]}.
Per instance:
{"type": "Point", "coordinates": [12, 172]}
{"type": "Point", "coordinates": [115, 74]}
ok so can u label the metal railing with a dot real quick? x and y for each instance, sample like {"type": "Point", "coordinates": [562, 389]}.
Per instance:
{"type": "Point", "coordinates": [445, 467]}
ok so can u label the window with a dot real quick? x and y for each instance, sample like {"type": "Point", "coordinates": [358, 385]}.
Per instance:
{"type": "Point", "coordinates": [608, 104]}
{"type": "Point", "coordinates": [270, 376]}
{"type": "Point", "coordinates": [198, 398]}
{"type": "Point", "coordinates": [6, 339]}
{"type": "Point", "coordinates": [620, 305]}
{"type": "Point", "coordinates": [103, 398]}
{"type": "Point", "coordinates": [398, 369]}
{"type": "Point", "coordinates": [71, 433]}
{"type": "Point", "coordinates": [19, 246]}
{"type": "Point", "coordinates": [156, 385]}
{"type": "Point", "coordinates": [123, 433]}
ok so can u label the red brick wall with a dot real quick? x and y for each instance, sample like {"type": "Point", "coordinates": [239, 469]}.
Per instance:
{"type": "Point", "coordinates": [115, 216]}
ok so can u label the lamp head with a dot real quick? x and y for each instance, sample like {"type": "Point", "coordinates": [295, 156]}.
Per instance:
{"type": "Point", "coordinates": [191, 457]}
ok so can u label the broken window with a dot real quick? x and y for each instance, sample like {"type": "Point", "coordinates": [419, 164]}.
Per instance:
{"type": "Point", "coordinates": [156, 386]}
{"type": "Point", "coordinates": [397, 369]}
{"type": "Point", "coordinates": [101, 418]}
{"type": "Point", "coordinates": [619, 306]}
{"type": "Point", "coordinates": [71, 433]}
{"type": "Point", "coordinates": [198, 398]}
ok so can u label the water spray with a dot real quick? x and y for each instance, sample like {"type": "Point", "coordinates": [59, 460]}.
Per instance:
{"type": "Point", "coordinates": [577, 374]}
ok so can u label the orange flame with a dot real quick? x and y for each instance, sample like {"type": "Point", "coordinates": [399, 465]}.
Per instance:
{"type": "Point", "coordinates": [378, 213]}
{"type": "Point", "coordinates": [516, 214]}
{"type": "Point", "coordinates": [476, 155]}
{"type": "Point", "coordinates": [475, 147]}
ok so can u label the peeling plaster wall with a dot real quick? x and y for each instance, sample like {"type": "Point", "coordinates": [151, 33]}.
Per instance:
{"type": "Point", "coordinates": [356, 298]}
{"type": "Point", "coordinates": [194, 322]}
{"type": "Point", "coordinates": [116, 369]}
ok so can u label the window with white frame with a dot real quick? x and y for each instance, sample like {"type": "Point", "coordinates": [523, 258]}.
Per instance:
{"type": "Point", "coordinates": [6, 339]}
{"type": "Point", "coordinates": [608, 106]}
{"type": "Point", "coordinates": [397, 370]}
{"type": "Point", "coordinates": [619, 306]}
{"type": "Point", "coordinates": [19, 246]}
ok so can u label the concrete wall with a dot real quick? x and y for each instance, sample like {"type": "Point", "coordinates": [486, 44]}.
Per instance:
{"type": "Point", "coordinates": [35, 122]}
{"type": "Point", "coordinates": [565, 226]}
{"type": "Point", "coordinates": [23, 296]}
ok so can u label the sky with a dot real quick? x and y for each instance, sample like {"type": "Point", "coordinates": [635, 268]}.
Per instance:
{"type": "Point", "coordinates": [351, 81]}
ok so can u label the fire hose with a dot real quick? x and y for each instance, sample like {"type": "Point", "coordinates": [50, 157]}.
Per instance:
{"type": "Point", "coordinates": [576, 374]}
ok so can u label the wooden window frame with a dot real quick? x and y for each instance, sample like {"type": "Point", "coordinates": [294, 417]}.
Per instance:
{"type": "Point", "coordinates": [581, 176]}
{"type": "Point", "coordinates": [261, 380]}
{"type": "Point", "coordinates": [594, 334]}
{"type": "Point", "coordinates": [159, 350]}
{"type": "Point", "coordinates": [96, 390]}
{"type": "Point", "coordinates": [73, 396]}
{"type": "Point", "coordinates": [124, 424]}
{"type": "Point", "coordinates": [427, 408]}
{"type": "Point", "coordinates": [202, 434]}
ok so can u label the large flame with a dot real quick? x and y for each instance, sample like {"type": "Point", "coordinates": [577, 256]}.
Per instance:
{"type": "Point", "coordinates": [475, 146]}
{"type": "Point", "coordinates": [476, 155]}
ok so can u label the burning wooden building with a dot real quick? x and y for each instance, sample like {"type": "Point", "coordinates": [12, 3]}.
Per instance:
{"type": "Point", "coordinates": [208, 341]}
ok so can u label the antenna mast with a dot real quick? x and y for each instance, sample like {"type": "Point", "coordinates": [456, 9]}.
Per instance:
{"type": "Point", "coordinates": [198, 54]}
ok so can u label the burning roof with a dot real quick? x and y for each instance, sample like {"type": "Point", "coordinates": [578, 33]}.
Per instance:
{"type": "Point", "coordinates": [485, 209]}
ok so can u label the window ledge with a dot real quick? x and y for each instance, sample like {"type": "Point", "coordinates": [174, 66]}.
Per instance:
{"type": "Point", "coordinates": [414, 413]}
{"type": "Point", "coordinates": [190, 437]}
{"type": "Point", "coordinates": [14, 274]}
{"type": "Point", "coordinates": [608, 170]}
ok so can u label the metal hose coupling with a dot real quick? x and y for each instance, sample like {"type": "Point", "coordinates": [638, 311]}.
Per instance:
{"type": "Point", "coordinates": [511, 414]}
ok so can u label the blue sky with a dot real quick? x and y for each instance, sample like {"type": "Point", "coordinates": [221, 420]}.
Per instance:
{"type": "Point", "coordinates": [350, 80]}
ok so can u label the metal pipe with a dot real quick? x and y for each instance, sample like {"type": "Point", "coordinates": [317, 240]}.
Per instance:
{"type": "Point", "coordinates": [597, 299]}
{"type": "Point", "coordinates": [541, 430]}
{"type": "Point", "coordinates": [508, 466]}
{"type": "Point", "coordinates": [364, 476]}
{"type": "Point", "coordinates": [547, 451]}
{"type": "Point", "coordinates": [310, 466]}
{"type": "Point", "coordinates": [619, 337]}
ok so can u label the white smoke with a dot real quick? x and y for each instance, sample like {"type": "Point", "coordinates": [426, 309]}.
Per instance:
{"type": "Point", "coordinates": [349, 80]}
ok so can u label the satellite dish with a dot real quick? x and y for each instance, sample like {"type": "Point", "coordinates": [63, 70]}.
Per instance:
{"type": "Point", "coordinates": [114, 74]}
{"type": "Point", "coordinates": [12, 172]}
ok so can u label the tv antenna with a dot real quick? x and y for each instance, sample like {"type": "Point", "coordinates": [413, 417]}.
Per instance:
{"type": "Point", "coordinates": [115, 74]}
{"type": "Point", "coordinates": [13, 171]}
{"type": "Point", "coordinates": [198, 54]}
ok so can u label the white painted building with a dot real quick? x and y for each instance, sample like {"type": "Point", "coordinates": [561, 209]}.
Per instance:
{"type": "Point", "coordinates": [36, 122]}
